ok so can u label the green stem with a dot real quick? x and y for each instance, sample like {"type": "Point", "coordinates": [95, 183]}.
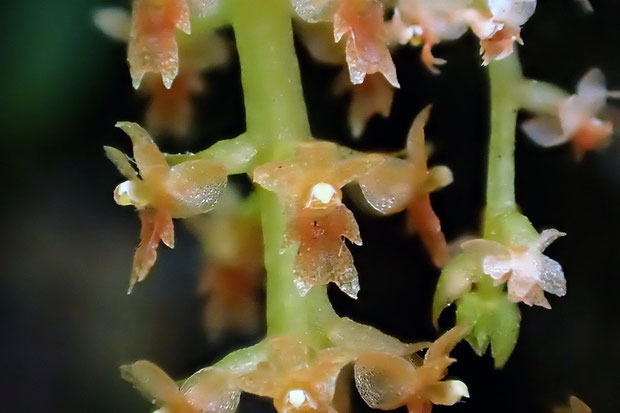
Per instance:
{"type": "Point", "coordinates": [504, 76]}
{"type": "Point", "coordinates": [276, 121]}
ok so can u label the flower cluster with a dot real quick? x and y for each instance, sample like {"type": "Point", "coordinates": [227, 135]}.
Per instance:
{"type": "Point", "coordinates": [170, 109]}
{"type": "Point", "coordinates": [302, 378]}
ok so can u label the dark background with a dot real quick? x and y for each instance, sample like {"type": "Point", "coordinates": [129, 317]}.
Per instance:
{"type": "Point", "coordinates": [67, 323]}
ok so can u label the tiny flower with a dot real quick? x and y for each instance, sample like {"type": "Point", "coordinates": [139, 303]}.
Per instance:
{"type": "Point", "coordinates": [298, 379]}
{"type": "Point", "coordinates": [233, 265]}
{"type": "Point", "coordinates": [161, 193]}
{"type": "Point", "coordinates": [386, 381]}
{"type": "Point", "coordinates": [373, 96]}
{"type": "Point", "coordinates": [527, 272]}
{"type": "Point", "coordinates": [575, 406]}
{"type": "Point", "coordinates": [152, 44]}
{"type": "Point", "coordinates": [310, 188]}
{"type": "Point", "coordinates": [575, 118]}
{"type": "Point", "coordinates": [366, 40]}
{"type": "Point", "coordinates": [509, 16]}
{"type": "Point", "coordinates": [170, 108]}
{"type": "Point", "coordinates": [211, 390]}
{"type": "Point", "coordinates": [400, 184]}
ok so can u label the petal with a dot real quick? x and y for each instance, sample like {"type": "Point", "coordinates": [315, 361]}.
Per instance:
{"type": "Point", "coordinates": [151, 162]}
{"type": "Point", "coordinates": [455, 281]}
{"type": "Point", "coordinates": [552, 277]}
{"type": "Point", "coordinates": [346, 333]}
{"type": "Point", "coordinates": [443, 345]}
{"type": "Point", "coordinates": [156, 226]}
{"type": "Point", "coordinates": [416, 151]}
{"type": "Point", "coordinates": [497, 267]}
{"type": "Point", "coordinates": [545, 131]}
{"type": "Point", "coordinates": [114, 22]}
{"type": "Point", "coordinates": [483, 248]}
{"type": "Point", "coordinates": [212, 390]}
{"type": "Point", "coordinates": [279, 177]}
{"type": "Point", "coordinates": [592, 92]}
{"type": "Point", "coordinates": [547, 237]}
{"type": "Point", "coordinates": [438, 177]}
{"type": "Point", "coordinates": [383, 380]}
{"type": "Point", "coordinates": [388, 187]}
{"type": "Point", "coordinates": [121, 161]}
{"type": "Point", "coordinates": [425, 222]}
{"type": "Point", "coordinates": [373, 97]}
{"type": "Point", "coordinates": [515, 12]}
{"type": "Point", "coordinates": [152, 382]}
{"type": "Point", "coordinates": [355, 168]}
{"type": "Point", "coordinates": [447, 393]}
{"type": "Point", "coordinates": [196, 186]}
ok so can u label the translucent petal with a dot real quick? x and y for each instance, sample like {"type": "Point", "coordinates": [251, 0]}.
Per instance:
{"type": "Point", "coordinates": [456, 279]}
{"type": "Point", "coordinates": [156, 226]}
{"type": "Point", "coordinates": [515, 12]}
{"type": "Point", "coordinates": [373, 97]}
{"type": "Point", "coordinates": [592, 92]}
{"type": "Point", "coordinates": [279, 177]}
{"type": "Point", "coordinates": [547, 237]}
{"type": "Point", "coordinates": [346, 333]}
{"type": "Point", "coordinates": [438, 177]}
{"type": "Point", "coordinates": [151, 162]}
{"type": "Point", "coordinates": [447, 393]}
{"type": "Point", "coordinates": [497, 266]}
{"type": "Point", "coordinates": [444, 344]}
{"type": "Point", "coordinates": [314, 10]}
{"type": "Point", "coordinates": [355, 168]}
{"type": "Point", "coordinates": [416, 151]}
{"type": "Point", "coordinates": [120, 160]}
{"type": "Point", "coordinates": [544, 131]}
{"type": "Point", "coordinates": [152, 382]}
{"type": "Point", "coordinates": [383, 380]}
{"type": "Point", "coordinates": [484, 247]}
{"type": "Point", "coordinates": [552, 277]}
{"type": "Point", "coordinates": [196, 186]}
{"type": "Point", "coordinates": [212, 390]}
{"type": "Point", "coordinates": [114, 22]}
{"type": "Point", "coordinates": [388, 187]}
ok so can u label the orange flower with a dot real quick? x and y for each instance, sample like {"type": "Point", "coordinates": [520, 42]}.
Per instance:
{"type": "Point", "coordinates": [233, 266]}
{"type": "Point", "coordinates": [386, 381]}
{"type": "Point", "coordinates": [400, 184]}
{"type": "Point", "coordinates": [161, 193]}
{"type": "Point", "coordinates": [310, 188]}
{"type": "Point", "coordinates": [362, 21]}
{"type": "Point", "coordinates": [575, 118]}
{"type": "Point", "coordinates": [209, 390]}
{"type": "Point", "coordinates": [373, 96]}
{"type": "Point", "coordinates": [298, 379]}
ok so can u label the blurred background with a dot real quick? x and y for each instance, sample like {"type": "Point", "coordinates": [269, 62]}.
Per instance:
{"type": "Point", "coordinates": [68, 322]}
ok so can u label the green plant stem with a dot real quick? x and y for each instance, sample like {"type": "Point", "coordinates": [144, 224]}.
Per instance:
{"type": "Point", "coordinates": [276, 121]}
{"type": "Point", "coordinates": [504, 75]}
